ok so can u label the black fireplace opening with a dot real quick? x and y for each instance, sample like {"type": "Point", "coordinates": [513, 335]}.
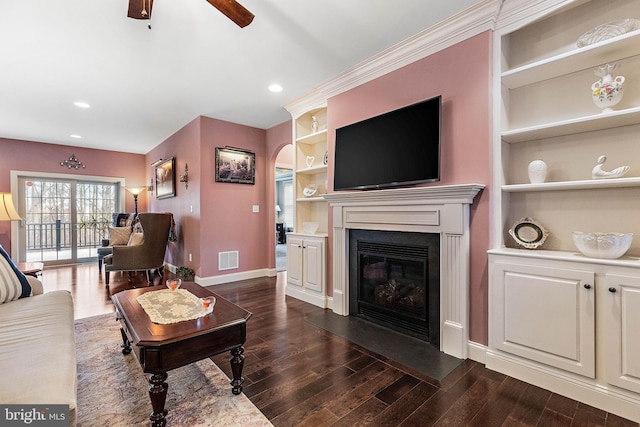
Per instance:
{"type": "Point", "coordinates": [394, 280]}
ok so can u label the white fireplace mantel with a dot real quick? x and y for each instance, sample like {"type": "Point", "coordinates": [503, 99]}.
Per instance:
{"type": "Point", "coordinates": [440, 209]}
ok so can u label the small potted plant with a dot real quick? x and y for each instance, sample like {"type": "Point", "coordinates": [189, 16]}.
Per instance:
{"type": "Point", "coordinates": [185, 273]}
{"type": "Point", "coordinates": [99, 225]}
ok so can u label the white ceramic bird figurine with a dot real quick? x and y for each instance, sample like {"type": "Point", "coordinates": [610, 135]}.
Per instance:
{"type": "Point", "coordinates": [598, 173]}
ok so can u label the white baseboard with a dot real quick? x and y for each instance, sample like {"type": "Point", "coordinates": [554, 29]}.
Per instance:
{"type": "Point", "coordinates": [573, 386]}
{"type": "Point", "coordinates": [477, 352]}
{"type": "Point", "coordinates": [233, 277]}
{"type": "Point", "coordinates": [312, 298]}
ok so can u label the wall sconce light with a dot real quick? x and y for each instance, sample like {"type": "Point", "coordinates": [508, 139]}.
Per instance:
{"type": "Point", "coordinates": [185, 178]}
{"type": "Point", "coordinates": [73, 163]}
{"type": "Point", "coordinates": [150, 187]}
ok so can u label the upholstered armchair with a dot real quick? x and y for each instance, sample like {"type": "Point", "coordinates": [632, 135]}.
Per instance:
{"type": "Point", "coordinates": [147, 256]}
{"type": "Point", "coordinates": [120, 220]}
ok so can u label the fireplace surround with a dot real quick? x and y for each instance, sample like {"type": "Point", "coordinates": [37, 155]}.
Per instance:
{"type": "Point", "coordinates": [443, 210]}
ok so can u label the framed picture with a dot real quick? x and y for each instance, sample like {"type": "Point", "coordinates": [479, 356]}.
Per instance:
{"type": "Point", "coordinates": [166, 179]}
{"type": "Point", "coordinates": [235, 165]}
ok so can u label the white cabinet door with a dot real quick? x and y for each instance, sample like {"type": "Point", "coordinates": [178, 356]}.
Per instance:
{"type": "Point", "coordinates": [545, 314]}
{"type": "Point", "coordinates": [294, 261]}
{"type": "Point", "coordinates": [622, 330]}
{"type": "Point", "coordinates": [313, 265]}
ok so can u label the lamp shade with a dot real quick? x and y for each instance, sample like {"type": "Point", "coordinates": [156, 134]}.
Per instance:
{"type": "Point", "coordinates": [135, 190]}
{"type": "Point", "coordinates": [7, 211]}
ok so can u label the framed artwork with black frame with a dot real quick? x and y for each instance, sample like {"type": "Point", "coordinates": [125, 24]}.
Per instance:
{"type": "Point", "coordinates": [235, 165]}
{"type": "Point", "coordinates": [166, 179]}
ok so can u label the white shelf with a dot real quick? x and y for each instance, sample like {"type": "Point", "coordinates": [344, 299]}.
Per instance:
{"type": "Point", "coordinates": [629, 116]}
{"type": "Point", "coordinates": [623, 261]}
{"type": "Point", "coordinates": [589, 56]}
{"type": "Point", "coordinates": [312, 170]}
{"type": "Point", "coordinates": [573, 185]}
{"type": "Point", "coordinates": [303, 234]}
{"type": "Point", "coordinates": [313, 138]}
{"type": "Point", "coordinates": [318, 198]}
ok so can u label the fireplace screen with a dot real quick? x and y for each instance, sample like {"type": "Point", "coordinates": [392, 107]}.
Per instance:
{"type": "Point", "coordinates": [391, 274]}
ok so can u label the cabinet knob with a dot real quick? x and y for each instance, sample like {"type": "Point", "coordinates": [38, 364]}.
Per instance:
{"type": "Point", "coordinates": [587, 286]}
{"type": "Point", "coordinates": [612, 290]}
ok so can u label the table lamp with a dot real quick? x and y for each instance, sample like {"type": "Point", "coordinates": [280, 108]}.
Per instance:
{"type": "Point", "coordinates": [7, 211]}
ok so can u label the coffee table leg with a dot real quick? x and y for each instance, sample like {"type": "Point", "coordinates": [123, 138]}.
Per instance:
{"type": "Point", "coordinates": [126, 344]}
{"type": "Point", "coordinates": [158, 394]}
{"type": "Point", "coordinates": [237, 362]}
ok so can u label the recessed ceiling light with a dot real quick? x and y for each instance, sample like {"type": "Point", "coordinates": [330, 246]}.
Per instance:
{"type": "Point", "coordinates": [275, 88]}
{"type": "Point", "coordinates": [81, 104]}
{"type": "Point", "coordinates": [76, 136]}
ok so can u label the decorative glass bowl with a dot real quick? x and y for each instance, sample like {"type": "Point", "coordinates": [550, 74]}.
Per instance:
{"type": "Point", "coordinates": [607, 31]}
{"type": "Point", "coordinates": [310, 227]}
{"type": "Point", "coordinates": [602, 245]}
{"type": "Point", "coordinates": [174, 284]}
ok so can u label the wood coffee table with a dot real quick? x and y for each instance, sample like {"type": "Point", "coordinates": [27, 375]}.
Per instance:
{"type": "Point", "coordinates": [30, 268]}
{"type": "Point", "coordinates": [160, 348]}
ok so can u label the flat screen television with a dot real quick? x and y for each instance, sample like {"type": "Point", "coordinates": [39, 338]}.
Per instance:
{"type": "Point", "coordinates": [398, 148]}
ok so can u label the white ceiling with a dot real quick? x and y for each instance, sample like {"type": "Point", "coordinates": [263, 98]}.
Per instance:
{"type": "Point", "coordinates": [143, 85]}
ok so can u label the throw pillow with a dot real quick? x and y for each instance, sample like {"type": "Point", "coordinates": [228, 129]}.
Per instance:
{"type": "Point", "coordinates": [119, 235]}
{"type": "Point", "coordinates": [13, 284]}
{"type": "Point", "coordinates": [136, 239]}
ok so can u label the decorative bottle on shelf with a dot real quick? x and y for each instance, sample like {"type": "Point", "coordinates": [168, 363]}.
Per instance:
{"type": "Point", "coordinates": [607, 91]}
{"type": "Point", "coordinates": [537, 171]}
{"type": "Point", "coordinates": [314, 124]}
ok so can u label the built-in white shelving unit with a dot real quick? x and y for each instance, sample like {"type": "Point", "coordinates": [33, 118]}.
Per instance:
{"type": "Point", "coordinates": [307, 252]}
{"type": "Point", "coordinates": [557, 319]}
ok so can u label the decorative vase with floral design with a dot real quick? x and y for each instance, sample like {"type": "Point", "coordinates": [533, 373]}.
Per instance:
{"type": "Point", "coordinates": [607, 91]}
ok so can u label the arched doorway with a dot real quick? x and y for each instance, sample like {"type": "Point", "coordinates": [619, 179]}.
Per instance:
{"type": "Point", "coordinates": [283, 203]}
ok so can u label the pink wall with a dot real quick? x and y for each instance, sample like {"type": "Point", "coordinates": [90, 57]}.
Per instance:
{"type": "Point", "coordinates": [40, 157]}
{"type": "Point", "coordinates": [461, 74]}
{"type": "Point", "coordinates": [213, 217]}
{"type": "Point", "coordinates": [184, 145]}
{"type": "Point", "coordinates": [227, 220]}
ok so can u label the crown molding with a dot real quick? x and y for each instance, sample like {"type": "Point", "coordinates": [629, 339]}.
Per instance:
{"type": "Point", "coordinates": [462, 26]}
{"type": "Point", "coordinates": [466, 24]}
{"type": "Point", "coordinates": [505, 15]}
{"type": "Point", "coordinates": [310, 101]}
{"type": "Point", "coordinates": [517, 13]}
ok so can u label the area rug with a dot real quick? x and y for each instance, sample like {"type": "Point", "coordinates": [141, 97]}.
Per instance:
{"type": "Point", "coordinates": [113, 390]}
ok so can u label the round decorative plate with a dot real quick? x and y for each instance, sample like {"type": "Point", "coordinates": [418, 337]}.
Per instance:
{"type": "Point", "coordinates": [529, 233]}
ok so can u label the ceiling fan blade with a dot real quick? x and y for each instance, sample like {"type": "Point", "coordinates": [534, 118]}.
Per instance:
{"type": "Point", "coordinates": [140, 9]}
{"type": "Point", "coordinates": [234, 11]}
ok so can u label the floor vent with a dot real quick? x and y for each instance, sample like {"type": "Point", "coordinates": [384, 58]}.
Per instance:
{"type": "Point", "coordinates": [227, 260]}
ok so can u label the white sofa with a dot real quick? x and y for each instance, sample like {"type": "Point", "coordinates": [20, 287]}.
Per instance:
{"type": "Point", "coordinates": [37, 349]}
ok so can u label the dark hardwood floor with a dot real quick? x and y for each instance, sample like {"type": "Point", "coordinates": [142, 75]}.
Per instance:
{"type": "Point", "coordinates": [301, 375]}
